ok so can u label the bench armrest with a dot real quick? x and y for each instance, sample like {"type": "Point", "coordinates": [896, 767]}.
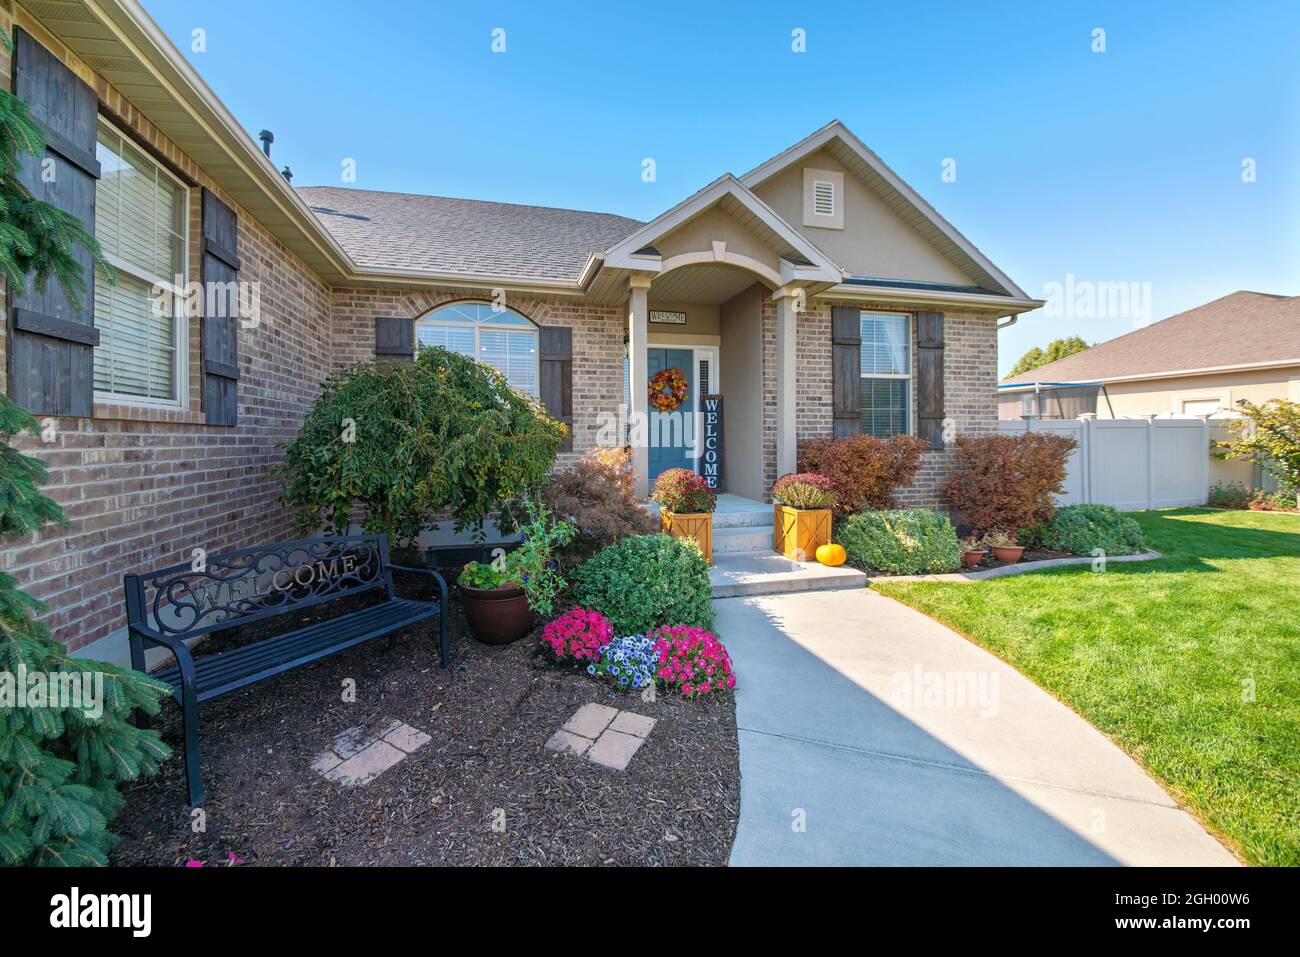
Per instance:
{"type": "Point", "coordinates": [180, 651]}
{"type": "Point", "coordinates": [442, 582]}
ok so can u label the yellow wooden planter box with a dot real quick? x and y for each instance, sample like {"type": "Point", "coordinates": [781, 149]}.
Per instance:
{"type": "Point", "coordinates": [696, 526]}
{"type": "Point", "coordinates": [797, 532]}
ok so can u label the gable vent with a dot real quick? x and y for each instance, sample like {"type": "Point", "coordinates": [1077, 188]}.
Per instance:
{"type": "Point", "coordinates": [823, 198]}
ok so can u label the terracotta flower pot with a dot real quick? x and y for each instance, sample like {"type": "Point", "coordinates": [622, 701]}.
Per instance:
{"type": "Point", "coordinates": [972, 557]}
{"type": "Point", "coordinates": [1008, 553]}
{"type": "Point", "coordinates": [692, 526]}
{"type": "Point", "coordinates": [497, 616]}
{"type": "Point", "coordinates": [797, 533]}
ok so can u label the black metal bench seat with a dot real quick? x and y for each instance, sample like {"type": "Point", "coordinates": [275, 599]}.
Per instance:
{"type": "Point", "coordinates": [184, 602]}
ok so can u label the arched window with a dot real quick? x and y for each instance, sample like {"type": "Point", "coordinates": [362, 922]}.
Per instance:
{"type": "Point", "coordinates": [504, 340]}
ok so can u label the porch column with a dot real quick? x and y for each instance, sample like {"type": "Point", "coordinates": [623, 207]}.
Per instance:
{"type": "Point", "coordinates": [638, 331]}
{"type": "Point", "coordinates": [788, 301]}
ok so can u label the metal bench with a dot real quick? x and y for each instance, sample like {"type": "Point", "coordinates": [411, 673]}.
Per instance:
{"type": "Point", "coordinates": [169, 607]}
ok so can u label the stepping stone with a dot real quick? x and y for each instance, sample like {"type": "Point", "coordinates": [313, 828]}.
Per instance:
{"type": "Point", "coordinates": [590, 720]}
{"type": "Point", "coordinates": [614, 749]}
{"type": "Point", "coordinates": [365, 767]}
{"type": "Point", "coordinates": [634, 724]}
{"type": "Point", "coordinates": [566, 742]}
{"type": "Point", "coordinates": [356, 758]}
{"type": "Point", "coordinates": [407, 738]}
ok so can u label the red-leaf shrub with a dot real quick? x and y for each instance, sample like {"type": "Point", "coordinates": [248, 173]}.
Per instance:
{"type": "Point", "coordinates": [579, 633]}
{"type": "Point", "coordinates": [596, 496]}
{"type": "Point", "coordinates": [1006, 482]}
{"type": "Point", "coordinates": [864, 470]}
{"type": "Point", "coordinates": [682, 491]}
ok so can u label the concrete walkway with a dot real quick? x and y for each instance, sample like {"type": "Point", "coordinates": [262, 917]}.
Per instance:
{"type": "Point", "coordinates": [872, 735]}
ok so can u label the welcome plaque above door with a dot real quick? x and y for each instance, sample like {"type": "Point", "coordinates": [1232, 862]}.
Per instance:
{"type": "Point", "coordinates": [671, 318]}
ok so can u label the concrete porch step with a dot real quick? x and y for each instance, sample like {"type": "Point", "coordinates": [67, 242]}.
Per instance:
{"type": "Point", "coordinates": [733, 512]}
{"type": "Point", "coordinates": [742, 538]}
{"type": "Point", "coordinates": [743, 574]}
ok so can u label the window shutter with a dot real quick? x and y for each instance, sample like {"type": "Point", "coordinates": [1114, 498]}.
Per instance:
{"type": "Point", "coordinates": [220, 331]}
{"type": "Point", "coordinates": [395, 338]}
{"type": "Point", "coordinates": [846, 369]}
{"type": "Point", "coordinates": [52, 340]}
{"type": "Point", "coordinates": [929, 377]}
{"type": "Point", "coordinates": [555, 344]}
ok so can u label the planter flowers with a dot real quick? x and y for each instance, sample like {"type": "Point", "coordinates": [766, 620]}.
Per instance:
{"type": "Point", "coordinates": [686, 505]}
{"type": "Point", "coordinates": [630, 661]}
{"type": "Point", "coordinates": [579, 634]}
{"type": "Point", "coordinates": [1004, 546]}
{"type": "Point", "coordinates": [972, 552]}
{"type": "Point", "coordinates": [801, 514]}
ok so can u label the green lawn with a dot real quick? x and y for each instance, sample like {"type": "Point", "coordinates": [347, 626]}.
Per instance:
{"type": "Point", "coordinates": [1161, 657]}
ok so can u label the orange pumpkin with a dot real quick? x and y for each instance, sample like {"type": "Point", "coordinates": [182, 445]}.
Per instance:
{"type": "Point", "coordinates": [830, 554]}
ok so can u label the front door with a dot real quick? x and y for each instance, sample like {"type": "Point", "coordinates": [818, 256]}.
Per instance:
{"type": "Point", "coordinates": [668, 442]}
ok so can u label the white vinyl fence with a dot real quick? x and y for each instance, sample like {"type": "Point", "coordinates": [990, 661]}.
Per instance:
{"type": "Point", "coordinates": [1141, 463]}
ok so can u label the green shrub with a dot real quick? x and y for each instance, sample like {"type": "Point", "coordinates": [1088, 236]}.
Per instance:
{"type": "Point", "coordinates": [408, 441]}
{"type": "Point", "coordinates": [644, 581]}
{"type": "Point", "coordinates": [1081, 529]}
{"type": "Point", "coordinates": [1231, 495]}
{"type": "Point", "coordinates": [911, 541]}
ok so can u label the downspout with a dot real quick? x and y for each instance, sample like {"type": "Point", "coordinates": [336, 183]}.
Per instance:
{"type": "Point", "coordinates": [1011, 321]}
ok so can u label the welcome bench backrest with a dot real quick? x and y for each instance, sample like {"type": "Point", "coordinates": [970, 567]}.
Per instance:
{"type": "Point", "coordinates": [237, 588]}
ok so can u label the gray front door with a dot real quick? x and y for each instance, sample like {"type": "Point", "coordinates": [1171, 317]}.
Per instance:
{"type": "Point", "coordinates": [668, 442]}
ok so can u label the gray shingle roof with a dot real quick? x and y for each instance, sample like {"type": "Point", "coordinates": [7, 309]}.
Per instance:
{"type": "Point", "coordinates": [437, 234]}
{"type": "Point", "coordinates": [1242, 328]}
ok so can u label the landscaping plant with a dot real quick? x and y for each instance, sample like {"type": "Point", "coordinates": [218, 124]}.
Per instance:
{"type": "Point", "coordinates": [630, 660]}
{"type": "Point", "coordinates": [1269, 434]}
{"type": "Point", "coordinates": [530, 566]}
{"type": "Point", "coordinates": [579, 634]}
{"type": "Point", "coordinates": [61, 758]}
{"type": "Point", "coordinates": [684, 492]}
{"type": "Point", "coordinates": [804, 490]}
{"type": "Point", "coordinates": [1083, 529]}
{"type": "Point", "coordinates": [644, 581]}
{"type": "Point", "coordinates": [596, 497]}
{"type": "Point", "coordinates": [1007, 482]}
{"type": "Point", "coordinates": [864, 471]}
{"type": "Point", "coordinates": [1232, 495]}
{"type": "Point", "coordinates": [692, 660]}
{"type": "Point", "coordinates": [913, 541]}
{"type": "Point", "coordinates": [406, 442]}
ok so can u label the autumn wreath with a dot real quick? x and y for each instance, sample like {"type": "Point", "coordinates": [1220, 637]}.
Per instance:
{"type": "Point", "coordinates": [668, 390]}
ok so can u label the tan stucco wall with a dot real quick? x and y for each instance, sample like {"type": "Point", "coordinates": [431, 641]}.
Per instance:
{"type": "Point", "coordinates": [699, 233]}
{"type": "Point", "coordinates": [1166, 396]}
{"type": "Point", "coordinates": [701, 320]}
{"type": "Point", "coordinates": [874, 242]}
{"type": "Point", "coordinates": [740, 360]}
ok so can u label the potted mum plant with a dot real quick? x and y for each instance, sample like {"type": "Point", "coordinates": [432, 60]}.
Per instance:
{"type": "Point", "coordinates": [801, 514]}
{"type": "Point", "coordinates": [1004, 546]}
{"type": "Point", "coordinates": [686, 505]}
{"type": "Point", "coordinates": [972, 551]}
{"type": "Point", "coordinates": [501, 596]}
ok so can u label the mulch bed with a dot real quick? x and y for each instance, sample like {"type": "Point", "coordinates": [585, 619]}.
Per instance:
{"type": "Point", "coordinates": [489, 715]}
{"type": "Point", "coordinates": [988, 561]}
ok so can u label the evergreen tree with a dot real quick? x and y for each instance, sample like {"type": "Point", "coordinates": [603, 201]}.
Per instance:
{"type": "Point", "coordinates": [61, 760]}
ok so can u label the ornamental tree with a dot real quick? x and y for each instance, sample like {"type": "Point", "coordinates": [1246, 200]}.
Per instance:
{"type": "Point", "coordinates": [1270, 434]}
{"type": "Point", "coordinates": [404, 443]}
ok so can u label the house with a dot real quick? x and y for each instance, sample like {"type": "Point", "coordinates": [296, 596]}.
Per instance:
{"type": "Point", "coordinates": [1242, 347]}
{"type": "Point", "coordinates": [818, 294]}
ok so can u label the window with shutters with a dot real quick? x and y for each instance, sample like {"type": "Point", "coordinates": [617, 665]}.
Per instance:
{"type": "Point", "coordinates": [886, 383]}
{"type": "Point", "coordinates": [503, 339]}
{"type": "Point", "coordinates": [141, 214]}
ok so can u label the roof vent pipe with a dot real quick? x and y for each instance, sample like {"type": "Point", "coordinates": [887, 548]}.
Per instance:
{"type": "Point", "coordinates": [267, 138]}
{"type": "Point", "coordinates": [287, 174]}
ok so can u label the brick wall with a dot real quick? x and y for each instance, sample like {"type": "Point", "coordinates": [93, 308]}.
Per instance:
{"type": "Point", "coordinates": [144, 487]}
{"type": "Point", "coordinates": [597, 343]}
{"type": "Point", "coordinates": [970, 363]}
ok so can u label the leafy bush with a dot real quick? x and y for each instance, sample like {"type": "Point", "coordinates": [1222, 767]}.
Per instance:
{"type": "Point", "coordinates": [1269, 434]}
{"type": "Point", "coordinates": [1263, 501]}
{"type": "Point", "coordinates": [1006, 482]}
{"type": "Point", "coordinates": [1232, 495]}
{"type": "Point", "coordinates": [644, 581]}
{"type": "Point", "coordinates": [911, 541]}
{"type": "Point", "coordinates": [682, 491]}
{"type": "Point", "coordinates": [529, 566]}
{"type": "Point", "coordinates": [578, 634]}
{"type": "Point", "coordinates": [61, 761]}
{"type": "Point", "coordinates": [692, 660]}
{"type": "Point", "coordinates": [804, 490]}
{"type": "Point", "coordinates": [864, 471]}
{"type": "Point", "coordinates": [596, 497]}
{"type": "Point", "coordinates": [408, 441]}
{"type": "Point", "coordinates": [629, 660]}
{"type": "Point", "coordinates": [1082, 529]}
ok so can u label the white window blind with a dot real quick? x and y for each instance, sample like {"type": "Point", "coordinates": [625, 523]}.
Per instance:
{"type": "Point", "coordinates": [140, 221]}
{"type": "Point", "coordinates": [502, 339]}
{"type": "Point", "coordinates": [886, 369]}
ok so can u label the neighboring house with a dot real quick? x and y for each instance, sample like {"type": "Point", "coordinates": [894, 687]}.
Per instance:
{"type": "Point", "coordinates": [1243, 347]}
{"type": "Point", "coordinates": [818, 294]}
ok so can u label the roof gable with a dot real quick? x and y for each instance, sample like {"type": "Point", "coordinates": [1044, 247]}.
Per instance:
{"type": "Point", "coordinates": [837, 141]}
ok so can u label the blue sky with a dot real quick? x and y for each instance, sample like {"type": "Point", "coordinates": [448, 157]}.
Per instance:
{"type": "Point", "coordinates": [1115, 166]}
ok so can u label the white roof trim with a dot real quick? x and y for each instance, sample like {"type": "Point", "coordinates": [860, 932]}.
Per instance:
{"type": "Point", "coordinates": [621, 255]}
{"type": "Point", "coordinates": [837, 130]}
{"type": "Point", "coordinates": [1008, 306]}
{"type": "Point", "coordinates": [1177, 373]}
